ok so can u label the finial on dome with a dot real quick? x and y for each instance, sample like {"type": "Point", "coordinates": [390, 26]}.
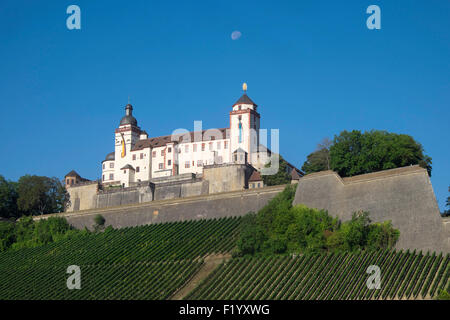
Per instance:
{"type": "Point", "coordinates": [244, 87]}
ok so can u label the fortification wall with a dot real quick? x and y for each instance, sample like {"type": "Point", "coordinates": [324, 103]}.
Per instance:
{"type": "Point", "coordinates": [216, 179]}
{"type": "Point", "coordinates": [118, 197]}
{"type": "Point", "coordinates": [200, 207]}
{"type": "Point", "coordinates": [227, 177]}
{"type": "Point", "coordinates": [82, 197]}
{"type": "Point", "coordinates": [404, 196]}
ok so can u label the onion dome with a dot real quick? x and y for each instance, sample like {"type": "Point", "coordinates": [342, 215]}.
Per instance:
{"type": "Point", "coordinates": [128, 118]}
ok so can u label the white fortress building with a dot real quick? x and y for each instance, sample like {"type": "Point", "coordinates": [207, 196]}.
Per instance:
{"type": "Point", "coordinates": [138, 158]}
{"type": "Point", "coordinates": [183, 164]}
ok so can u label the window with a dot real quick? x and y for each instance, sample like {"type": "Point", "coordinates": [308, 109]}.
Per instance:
{"type": "Point", "coordinates": [125, 171]}
{"type": "Point", "coordinates": [240, 107]}
{"type": "Point", "coordinates": [203, 147]}
{"type": "Point", "coordinates": [186, 148]}
{"type": "Point", "coordinates": [258, 184]}
{"type": "Point", "coordinates": [103, 166]}
{"type": "Point", "coordinates": [187, 164]}
{"type": "Point", "coordinates": [103, 178]}
{"type": "Point", "coordinates": [111, 176]}
{"type": "Point", "coordinates": [111, 165]}
{"type": "Point", "coordinates": [169, 162]}
{"type": "Point", "coordinates": [199, 163]}
{"type": "Point", "coordinates": [225, 144]}
{"type": "Point", "coordinates": [134, 157]}
{"type": "Point", "coordinates": [154, 154]}
{"type": "Point", "coordinates": [169, 150]}
{"type": "Point", "coordinates": [218, 145]}
{"type": "Point", "coordinates": [194, 148]}
{"type": "Point", "coordinates": [137, 169]}
{"type": "Point", "coordinates": [141, 156]}
{"type": "Point", "coordinates": [162, 152]}
{"type": "Point", "coordinates": [161, 166]}
{"type": "Point", "coordinates": [210, 146]}
{"type": "Point", "coordinates": [193, 163]}
{"type": "Point", "coordinates": [213, 138]}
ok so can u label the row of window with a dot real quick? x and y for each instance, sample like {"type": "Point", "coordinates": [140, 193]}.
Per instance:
{"type": "Point", "coordinates": [187, 164]}
{"type": "Point", "coordinates": [141, 156]}
{"type": "Point", "coordinates": [111, 165]}
{"type": "Point", "coordinates": [163, 152]}
{"type": "Point", "coordinates": [111, 177]}
{"type": "Point", "coordinates": [211, 146]}
{"type": "Point", "coordinates": [194, 148]}
{"type": "Point", "coordinates": [161, 165]}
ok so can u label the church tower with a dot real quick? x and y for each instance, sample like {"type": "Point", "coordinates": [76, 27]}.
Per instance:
{"type": "Point", "coordinates": [244, 126]}
{"type": "Point", "coordinates": [126, 137]}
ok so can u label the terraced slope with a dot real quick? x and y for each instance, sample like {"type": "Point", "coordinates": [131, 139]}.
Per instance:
{"type": "Point", "coordinates": [404, 275]}
{"type": "Point", "coordinates": [165, 261]}
{"type": "Point", "coordinates": [147, 262]}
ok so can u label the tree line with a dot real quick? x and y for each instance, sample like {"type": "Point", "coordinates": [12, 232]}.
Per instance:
{"type": "Point", "coordinates": [31, 195]}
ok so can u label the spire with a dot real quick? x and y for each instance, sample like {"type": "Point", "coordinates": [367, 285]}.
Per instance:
{"type": "Point", "coordinates": [244, 87]}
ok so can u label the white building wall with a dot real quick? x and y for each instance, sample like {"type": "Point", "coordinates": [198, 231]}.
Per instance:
{"type": "Point", "coordinates": [214, 152]}
{"type": "Point", "coordinates": [140, 160]}
{"type": "Point", "coordinates": [107, 170]}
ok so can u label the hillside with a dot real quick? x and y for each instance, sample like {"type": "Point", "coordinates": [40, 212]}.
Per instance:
{"type": "Point", "coordinates": [147, 262]}
{"type": "Point", "coordinates": [159, 261]}
{"type": "Point", "coordinates": [339, 276]}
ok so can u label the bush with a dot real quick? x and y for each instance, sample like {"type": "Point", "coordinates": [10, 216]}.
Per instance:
{"type": "Point", "coordinates": [280, 228]}
{"type": "Point", "coordinates": [27, 233]}
{"type": "Point", "coordinates": [99, 221]}
{"type": "Point", "coordinates": [443, 295]}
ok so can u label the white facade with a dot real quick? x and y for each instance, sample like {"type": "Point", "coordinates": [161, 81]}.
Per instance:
{"type": "Point", "coordinates": [137, 158]}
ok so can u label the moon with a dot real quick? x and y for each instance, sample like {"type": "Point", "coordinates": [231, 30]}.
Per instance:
{"type": "Point", "coordinates": [236, 35]}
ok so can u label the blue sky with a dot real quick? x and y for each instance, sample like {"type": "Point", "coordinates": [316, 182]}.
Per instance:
{"type": "Point", "coordinates": [313, 67]}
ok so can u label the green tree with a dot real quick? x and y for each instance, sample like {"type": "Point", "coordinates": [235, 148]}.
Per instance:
{"type": "Point", "coordinates": [354, 153]}
{"type": "Point", "coordinates": [280, 228]}
{"type": "Point", "coordinates": [281, 177]}
{"type": "Point", "coordinates": [39, 195]}
{"type": "Point", "coordinates": [319, 160]}
{"type": "Point", "coordinates": [7, 235]}
{"type": "Point", "coordinates": [8, 199]}
{"type": "Point", "coordinates": [355, 231]}
{"type": "Point", "coordinates": [382, 235]}
{"type": "Point", "coordinates": [99, 222]}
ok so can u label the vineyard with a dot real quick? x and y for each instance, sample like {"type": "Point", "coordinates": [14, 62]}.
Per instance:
{"type": "Point", "coordinates": [155, 261]}
{"type": "Point", "coordinates": [146, 262]}
{"type": "Point", "coordinates": [404, 275]}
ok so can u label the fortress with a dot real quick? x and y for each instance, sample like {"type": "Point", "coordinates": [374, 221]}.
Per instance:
{"type": "Point", "coordinates": [217, 173]}
{"type": "Point", "coordinates": [184, 164]}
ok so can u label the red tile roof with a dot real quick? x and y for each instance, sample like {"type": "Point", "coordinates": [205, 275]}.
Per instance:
{"type": "Point", "coordinates": [256, 176]}
{"type": "Point", "coordinates": [295, 175]}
